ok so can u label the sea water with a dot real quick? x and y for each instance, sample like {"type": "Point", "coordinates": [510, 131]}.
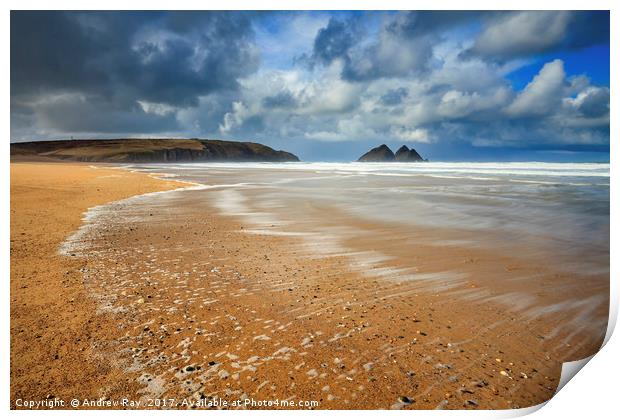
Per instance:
{"type": "Point", "coordinates": [561, 208]}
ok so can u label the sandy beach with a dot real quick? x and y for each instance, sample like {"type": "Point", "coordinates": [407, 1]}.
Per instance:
{"type": "Point", "coordinates": [52, 318]}
{"type": "Point", "coordinates": [164, 295]}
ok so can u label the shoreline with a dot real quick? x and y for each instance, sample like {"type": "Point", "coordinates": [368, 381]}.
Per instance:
{"type": "Point", "coordinates": [178, 263]}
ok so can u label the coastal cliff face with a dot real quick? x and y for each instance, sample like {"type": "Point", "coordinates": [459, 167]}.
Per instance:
{"type": "Point", "coordinates": [385, 154]}
{"type": "Point", "coordinates": [149, 150]}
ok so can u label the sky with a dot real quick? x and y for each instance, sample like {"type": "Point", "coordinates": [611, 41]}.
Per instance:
{"type": "Point", "coordinates": [325, 85]}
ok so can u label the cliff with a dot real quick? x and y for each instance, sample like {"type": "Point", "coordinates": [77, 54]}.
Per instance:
{"type": "Point", "coordinates": [149, 150]}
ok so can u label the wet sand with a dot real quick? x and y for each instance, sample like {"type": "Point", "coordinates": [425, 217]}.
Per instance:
{"type": "Point", "coordinates": [178, 301]}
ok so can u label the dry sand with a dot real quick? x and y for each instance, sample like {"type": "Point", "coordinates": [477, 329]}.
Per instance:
{"type": "Point", "coordinates": [52, 320]}
{"type": "Point", "coordinates": [179, 302]}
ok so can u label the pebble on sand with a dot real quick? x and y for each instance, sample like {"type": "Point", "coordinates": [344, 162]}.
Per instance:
{"type": "Point", "coordinates": [405, 400]}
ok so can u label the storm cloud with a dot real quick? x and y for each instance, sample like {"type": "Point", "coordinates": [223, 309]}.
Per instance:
{"type": "Point", "coordinates": [121, 66]}
{"type": "Point", "coordinates": [525, 33]}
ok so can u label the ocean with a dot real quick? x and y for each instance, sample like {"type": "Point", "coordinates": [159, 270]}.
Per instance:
{"type": "Point", "coordinates": [557, 212]}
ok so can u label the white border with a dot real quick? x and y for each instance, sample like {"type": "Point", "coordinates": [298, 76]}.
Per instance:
{"type": "Point", "coordinates": [313, 5]}
{"type": "Point", "coordinates": [592, 394]}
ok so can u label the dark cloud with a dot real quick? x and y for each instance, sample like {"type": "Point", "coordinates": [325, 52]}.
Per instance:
{"type": "Point", "coordinates": [402, 48]}
{"type": "Point", "coordinates": [90, 115]}
{"type": "Point", "coordinates": [420, 23]}
{"type": "Point", "coordinates": [335, 40]}
{"type": "Point", "coordinates": [394, 96]}
{"type": "Point", "coordinates": [588, 28]}
{"type": "Point", "coordinates": [115, 59]}
{"type": "Point", "coordinates": [509, 35]}
{"type": "Point", "coordinates": [51, 51]}
{"type": "Point", "coordinates": [595, 103]}
{"type": "Point", "coordinates": [284, 99]}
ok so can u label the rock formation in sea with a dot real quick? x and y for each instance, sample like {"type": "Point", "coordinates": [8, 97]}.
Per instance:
{"type": "Point", "coordinates": [404, 154]}
{"type": "Point", "coordinates": [385, 154]}
{"type": "Point", "coordinates": [378, 154]}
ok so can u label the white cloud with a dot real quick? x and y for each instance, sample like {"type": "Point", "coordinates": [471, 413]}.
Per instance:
{"type": "Point", "coordinates": [346, 130]}
{"type": "Point", "coordinates": [415, 135]}
{"type": "Point", "coordinates": [234, 118]}
{"type": "Point", "coordinates": [329, 94]}
{"type": "Point", "coordinates": [543, 95]}
{"type": "Point", "coordinates": [457, 104]}
{"type": "Point", "coordinates": [156, 108]}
